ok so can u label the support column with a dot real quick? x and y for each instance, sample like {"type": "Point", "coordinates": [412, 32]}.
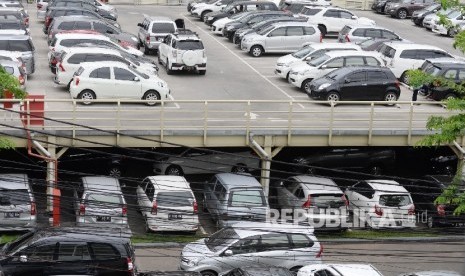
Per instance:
{"type": "Point", "coordinates": [50, 178]}
{"type": "Point", "coordinates": [460, 152]}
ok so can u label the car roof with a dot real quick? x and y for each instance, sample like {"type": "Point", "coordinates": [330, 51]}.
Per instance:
{"type": "Point", "coordinates": [78, 17]}
{"type": "Point", "coordinates": [403, 45]}
{"type": "Point", "coordinates": [11, 63]}
{"type": "Point", "coordinates": [318, 46]}
{"type": "Point", "coordinates": [318, 184]}
{"type": "Point", "coordinates": [446, 60]}
{"type": "Point", "coordinates": [14, 181]}
{"type": "Point", "coordinates": [355, 26]}
{"type": "Point", "coordinates": [248, 228]}
{"type": "Point", "coordinates": [294, 23]}
{"type": "Point", "coordinates": [386, 186]}
{"type": "Point", "coordinates": [349, 52]}
{"type": "Point", "coordinates": [325, 7]}
{"type": "Point", "coordinates": [80, 35]}
{"type": "Point", "coordinates": [159, 18]}
{"type": "Point", "coordinates": [102, 183]}
{"type": "Point", "coordinates": [97, 50]}
{"type": "Point", "coordinates": [433, 273]}
{"type": "Point", "coordinates": [170, 182]}
{"type": "Point", "coordinates": [73, 234]}
{"type": "Point", "coordinates": [346, 269]}
{"type": "Point", "coordinates": [92, 65]}
{"type": "Point", "coordinates": [232, 180]}
{"type": "Point", "coordinates": [14, 37]}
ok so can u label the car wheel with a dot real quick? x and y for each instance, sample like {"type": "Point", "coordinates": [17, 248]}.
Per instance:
{"type": "Point", "coordinates": [256, 51]}
{"type": "Point", "coordinates": [209, 273]}
{"type": "Point", "coordinates": [404, 78]}
{"type": "Point", "coordinates": [323, 30]}
{"type": "Point", "coordinates": [430, 222]}
{"type": "Point", "coordinates": [159, 59]}
{"type": "Point", "coordinates": [87, 96]}
{"type": "Point", "coordinates": [203, 15]}
{"type": "Point", "coordinates": [202, 72]}
{"type": "Point", "coordinates": [333, 96]}
{"type": "Point", "coordinates": [306, 86]}
{"type": "Point", "coordinates": [450, 32]}
{"type": "Point", "coordinates": [450, 96]}
{"type": "Point", "coordinates": [115, 172]}
{"type": "Point", "coordinates": [152, 97]}
{"type": "Point", "coordinates": [146, 50]}
{"type": "Point", "coordinates": [167, 66]}
{"type": "Point", "coordinates": [69, 85]}
{"type": "Point", "coordinates": [240, 168]}
{"type": "Point", "coordinates": [147, 229]}
{"type": "Point", "coordinates": [295, 269]}
{"type": "Point", "coordinates": [287, 76]}
{"type": "Point", "coordinates": [174, 170]}
{"type": "Point", "coordinates": [402, 14]}
{"type": "Point", "coordinates": [390, 97]}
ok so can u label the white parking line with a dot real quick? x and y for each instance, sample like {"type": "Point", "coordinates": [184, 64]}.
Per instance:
{"type": "Point", "coordinates": [243, 60]}
{"type": "Point", "coordinates": [171, 98]}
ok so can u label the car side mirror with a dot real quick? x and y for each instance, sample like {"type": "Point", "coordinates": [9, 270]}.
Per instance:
{"type": "Point", "coordinates": [140, 25]}
{"type": "Point", "coordinates": [354, 17]}
{"type": "Point", "coordinates": [23, 258]}
{"type": "Point", "coordinates": [136, 79]}
{"type": "Point", "coordinates": [308, 58]}
{"type": "Point", "coordinates": [347, 80]}
{"type": "Point", "coordinates": [324, 66]}
{"type": "Point", "coordinates": [228, 252]}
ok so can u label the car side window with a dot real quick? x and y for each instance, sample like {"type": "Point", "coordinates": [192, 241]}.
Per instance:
{"type": "Point", "coordinates": [335, 63]}
{"type": "Point", "coordinates": [66, 26]}
{"type": "Point", "coordinates": [278, 32]}
{"type": "Point", "coordinates": [365, 190]}
{"type": "Point", "coordinates": [299, 193]}
{"type": "Point", "coordinates": [295, 31]}
{"type": "Point", "coordinates": [73, 252]}
{"type": "Point", "coordinates": [462, 74]}
{"type": "Point", "coordinates": [82, 25]}
{"type": "Point", "coordinates": [42, 253]}
{"type": "Point", "coordinates": [77, 58]}
{"type": "Point", "coordinates": [345, 15]}
{"type": "Point", "coordinates": [323, 272]}
{"type": "Point", "coordinates": [300, 241]}
{"type": "Point", "coordinates": [150, 191]}
{"type": "Point", "coordinates": [100, 73]}
{"type": "Point", "coordinates": [389, 35]}
{"type": "Point", "coordinates": [354, 61]}
{"type": "Point", "coordinates": [439, 54]}
{"type": "Point", "coordinates": [411, 54]}
{"type": "Point", "coordinates": [102, 28]}
{"type": "Point", "coordinates": [373, 33]}
{"type": "Point", "coordinates": [104, 251]}
{"type": "Point", "coordinates": [331, 13]}
{"type": "Point", "coordinates": [376, 75]}
{"type": "Point", "coordinates": [450, 74]}
{"type": "Point", "coordinates": [309, 30]}
{"type": "Point", "coordinates": [246, 245]}
{"type": "Point", "coordinates": [272, 242]}
{"type": "Point", "coordinates": [372, 61]}
{"type": "Point", "coordinates": [123, 74]}
{"type": "Point", "coordinates": [359, 32]}
{"type": "Point", "coordinates": [220, 191]}
{"type": "Point", "coordinates": [357, 77]}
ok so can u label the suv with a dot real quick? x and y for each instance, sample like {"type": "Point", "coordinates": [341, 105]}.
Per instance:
{"type": "Point", "coordinates": [17, 204]}
{"type": "Point", "coordinates": [22, 44]}
{"type": "Point", "coordinates": [182, 50]}
{"type": "Point", "coordinates": [260, 270]}
{"type": "Point", "coordinates": [404, 8]}
{"type": "Point", "coordinates": [68, 252]}
{"type": "Point", "coordinates": [270, 244]}
{"type": "Point", "coordinates": [202, 9]}
{"type": "Point", "coordinates": [153, 30]}
{"type": "Point", "coordinates": [354, 34]}
{"type": "Point", "coordinates": [58, 11]}
{"type": "Point", "coordinates": [419, 15]}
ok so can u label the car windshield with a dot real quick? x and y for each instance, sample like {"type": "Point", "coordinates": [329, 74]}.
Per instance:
{"type": "Point", "coordinates": [318, 61]}
{"type": "Point", "coordinates": [432, 70]}
{"type": "Point", "coordinates": [246, 18]}
{"type": "Point", "coordinates": [394, 200]}
{"type": "Point", "coordinates": [247, 198]}
{"type": "Point", "coordinates": [12, 26]}
{"type": "Point", "coordinates": [104, 200]}
{"type": "Point", "coordinates": [453, 14]}
{"type": "Point", "coordinates": [163, 28]}
{"type": "Point", "coordinates": [221, 239]}
{"type": "Point", "coordinates": [336, 74]}
{"type": "Point", "coordinates": [14, 197]}
{"type": "Point", "coordinates": [175, 199]}
{"type": "Point", "coordinates": [303, 52]}
{"type": "Point", "coordinates": [189, 45]}
{"type": "Point", "coordinates": [387, 51]}
{"type": "Point", "coordinates": [327, 200]}
{"type": "Point", "coordinates": [366, 42]}
{"type": "Point", "coordinates": [137, 72]}
{"type": "Point", "coordinates": [236, 16]}
{"type": "Point", "coordinates": [432, 7]}
{"type": "Point", "coordinates": [16, 45]}
{"type": "Point", "coordinates": [265, 30]}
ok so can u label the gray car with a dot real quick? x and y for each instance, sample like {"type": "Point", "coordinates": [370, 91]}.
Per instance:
{"type": "Point", "coordinates": [22, 44]}
{"type": "Point", "coordinates": [354, 34]}
{"type": "Point", "coordinates": [17, 205]}
{"type": "Point", "coordinates": [230, 198]}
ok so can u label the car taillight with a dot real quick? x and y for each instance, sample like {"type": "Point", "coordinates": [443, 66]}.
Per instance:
{"type": "Point", "coordinates": [124, 210]}
{"type": "Point", "coordinates": [130, 265]}
{"type": "Point", "coordinates": [196, 207]}
{"type": "Point", "coordinates": [320, 253]}
{"type": "Point", "coordinates": [147, 38]}
{"type": "Point", "coordinates": [321, 37]}
{"type": "Point", "coordinates": [61, 67]}
{"type": "Point", "coordinates": [307, 203]}
{"type": "Point", "coordinates": [441, 210]}
{"type": "Point", "coordinates": [346, 201]}
{"type": "Point", "coordinates": [154, 208]}
{"type": "Point", "coordinates": [76, 81]}
{"type": "Point", "coordinates": [47, 20]}
{"type": "Point", "coordinates": [378, 211]}
{"type": "Point", "coordinates": [26, 20]}
{"type": "Point", "coordinates": [33, 209]}
{"type": "Point", "coordinates": [347, 38]}
{"type": "Point", "coordinates": [411, 210]}
{"type": "Point", "coordinates": [82, 210]}
{"type": "Point", "coordinates": [175, 53]}
{"type": "Point", "coordinates": [54, 61]}
{"type": "Point", "coordinates": [21, 80]}
{"type": "Point", "coordinates": [39, 6]}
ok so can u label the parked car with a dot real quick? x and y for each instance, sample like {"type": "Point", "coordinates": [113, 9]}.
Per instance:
{"type": "Point", "coordinates": [259, 270]}
{"type": "Point", "coordinates": [401, 57]}
{"type": "Point", "coordinates": [239, 7]}
{"type": "Point", "coordinates": [68, 252]}
{"type": "Point", "coordinates": [357, 83]}
{"type": "Point", "coordinates": [169, 273]}
{"type": "Point", "coordinates": [15, 69]}
{"type": "Point", "coordinates": [153, 30]}
{"type": "Point", "coordinates": [254, 17]}
{"type": "Point", "coordinates": [22, 44]}
{"type": "Point", "coordinates": [404, 8]}
{"type": "Point", "coordinates": [455, 18]}
{"type": "Point", "coordinates": [432, 273]}
{"type": "Point", "coordinates": [331, 20]}
{"type": "Point", "coordinates": [57, 12]}
{"type": "Point", "coordinates": [302, 74]}
{"type": "Point", "coordinates": [116, 80]}
{"type": "Point", "coordinates": [322, 200]}
{"type": "Point", "coordinates": [15, 13]}
{"type": "Point", "coordinates": [419, 15]}
{"type": "Point", "coordinates": [372, 44]}
{"type": "Point", "coordinates": [429, 19]}
{"type": "Point", "coordinates": [183, 50]}
{"type": "Point", "coordinates": [17, 203]}
{"type": "Point", "coordinates": [424, 192]}
{"type": "Point", "coordinates": [307, 53]}
{"type": "Point", "coordinates": [354, 34]}
{"type": "Point", "coordinates": [218, 26]}
{"type": "Point", "coordinates": [85, 5]}
{"type": "Point", "coordinates": [99, 202]}
{"type": "Point", "coordinates": [282, 37]}
{"type": "Point", "coordinates": [202, 9]}
{"type": "Point", "coordinates": [13, 56]}
{"type": "Point", "coordinates": [41, 9]}
{"type": "Point", "coordinates": [453, 71]}
{"type": "Point", "coordinates": [381, 204]}
{"type": "Point", "coordinates": [339, 269]}
{"type": "Point", "coordinates": [231, 198]}
{"type": "Point", "coordinates": [167, 204]}
{"type": "Point", "coordinates": [285, 245]}
{"type": "Point", "coordinates": [379, 5]}
{"type": "Point", "coordinates": [374, 161]}
{"type": "Point", "coordinates": [193, 161]}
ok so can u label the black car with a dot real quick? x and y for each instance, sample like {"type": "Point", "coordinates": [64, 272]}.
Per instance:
{"type": "Point", "coordinates": [239, 7]}
{"type": "Point", "coordinates": [424, 192]}
{"type": "Point", "coordinates": [454, 71]}
{"type": "Point", "coordinates": [67, 252]}
{"type": "Point", "coordinates": [379, 5]}
{"type": "Point", "coordinates": [356, 83]}
{"type": "Point", "coordinates": [259, 271]}
{"type": "Point", "coordinates": [84, 5]}
{"type": "Point", "coordinates": [248, 20]}
{"type": "Point", "coordinates": [373, 43]}
{"type": "Point", "coordinates": [418, 16]}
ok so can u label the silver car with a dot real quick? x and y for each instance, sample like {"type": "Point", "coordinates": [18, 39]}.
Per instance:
{"type": "Point", "coordinates": [13, 67]}
{"type": "Point", "coordinates": [17, 205]}
{"type": "Point", "coordinates": [353, 34]}
{"type": "Point", "coordinates": [246, 243]}
{"type": "Point", "coordinates": [22, 44]}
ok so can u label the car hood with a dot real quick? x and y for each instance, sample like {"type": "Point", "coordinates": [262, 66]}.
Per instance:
{"type": "Point", "coordinates": [216, 13]}
{"type": "Point", "coordinates": [317, 82]}
{"type": "Point", "coordinates": [221, 22]}
{"type": "Point", "coordinates": [133, 51]}
{"type": "Point", "coordinates": [197, 248]}
{"type": "Point", "coordinates": [366, 21]}
{"type": "Point", "coordinates": [431, 16]}
{"type": "Point", "coordinates": [301, 67]}
{"type": "Point", "coordinates": [287, 59]}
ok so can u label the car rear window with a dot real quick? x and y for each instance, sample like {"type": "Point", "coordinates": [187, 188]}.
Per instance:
{"type": "Point", "coordinates": [14, 197]}
{"type": "Point", "coordinates": [189, 45]}
{"type": "Point", "coordinates": [16, 45]}
{"type": "Point", "coordinates": [432, 70]}
{"type": "Point", "coordinates": [163, 28]}
{"type": "Point", "coordinates": [104, 200]}
{"type": "Point", "coordinates": [327, 200]}
{"type": "Point", "coordinates": [221, 239]}
{"type": "Point", "coordinates": [310, 11]}
{"type": "Point", "coordinates": [387, 51]}
{"type": "Point", "coordinates": [174, 199]}
{"type": "Point", "coordinates": [11, 26]}
{"type": "Point", "coordinates": [318, 61]}
{"type": "Point", "coordinates": [394, 200]}
{"type": "Point", "coordinates": [346, 30]}
{"type": "Point", "coordinates": [247, 198]}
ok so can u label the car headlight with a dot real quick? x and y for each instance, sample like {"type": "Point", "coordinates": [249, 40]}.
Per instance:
{"type": "Point", "coordinates": [210, 18]}
{"type": "Point", "coordinates": [283, 64]}
{"type": "Point", "coordinates": [323, 86]}
{"type": "Point", "coordinates": [193, 261]}
{"type": "Point", "coordinates": [112, 15]}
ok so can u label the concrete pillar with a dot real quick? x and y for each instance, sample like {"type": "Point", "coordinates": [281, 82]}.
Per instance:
{"type": "Point", "coordinates": [50, 178]}
{"type": "Point", "coordinates": [265, 171]}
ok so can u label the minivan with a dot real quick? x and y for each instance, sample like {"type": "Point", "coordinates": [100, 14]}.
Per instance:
{"type": "Point", "coordinates": [68, 252]}
{"type": "Point", "coordinates": [17, 205]}
{"type": "Point", "coordinates": [286, 245]}
{"type": "Point", "coordinates": [22, 44]}
{"type": "Point", "coordinates": [230, 198]}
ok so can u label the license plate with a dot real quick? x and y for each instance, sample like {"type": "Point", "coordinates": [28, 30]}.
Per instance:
{"type": "Point", "coordinates": [104, 218]}
{"type": "Point", "coordinates": [174, 216]}
{"type": "Point", "coordinates": [12, 215]}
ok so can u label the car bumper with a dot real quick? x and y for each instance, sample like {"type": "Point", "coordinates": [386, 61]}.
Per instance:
{"type": "Point", "coordinates": [41, 15]}
{"type": "Point", "coordinates": [296, 80]}
{"type": "Point", "coordinates": [427, 24]}
{"type": "Point", "coordinates": [245, 46]}
{"type": "Point", "coordinates": [177, 66]}
{"type": "Point", "coordinates": [282, 71]}
{"type": "Point", "coordinates": [376, 222]}
{"type": "Point", "coordinates": [164, 225]}
{"type": "Point", "coordinates": [391, 12]}
{"type": "Point", "coordinates": [153, 45]}
{"type": "Point", "coordinates": [439, 29]}
{"type": "Point", "coordinates": [218, 30]}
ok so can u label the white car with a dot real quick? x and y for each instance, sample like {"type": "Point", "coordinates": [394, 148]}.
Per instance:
{"type": "Point", "coordinates": [66, 40]}
{"type": "Point", "coordinates": [401, 57]}
{"type": "Point", "coordinates": [302, 74]}
{"type": "Point", "coordinates": [307, 53]}
{"type": "Point", "coordinates": [218, 25]}
{"type": "Point", "coordinates": [41, 9]}
{"type": "Point", "coordinates": [455, 17]}
{"type": "Point", "coordinates": [339, 270]}
{"type": "Point", "coordinates": [116, 80]}
{"type": "Point", "coordinates": [168, 204]}
{"type": "Point", "coordinates": [331, 20]}
{"type": "Point", "coordinates": [105, 6]}
{"type": "Point", "coordinates": [281, 37]}
{"type": "Point", "coordinates": [201, 9]}
{"type": "Point", "coordinates": [14, 68]}
{"type": "Point", "coordinates": [381, 204]}
{"type": "Point", "coordinates": [71, 59]}
{"type": "Point", "coordinates": [432, 273]}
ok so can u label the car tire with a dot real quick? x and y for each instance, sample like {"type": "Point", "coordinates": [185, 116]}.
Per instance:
{"type": "Point", "coordinates": [69, 85]}
{"type": "Point", "coordinates": [209, 273]}
{"type": "Point", "coordinates": [202, 72]}
{"type": "Point", "coordinates": [295, 269]}
{"type": "Point", "coordinates": [151, 95]}
{"type": "Point", "coordinates": [306, 86]}
{"type": "Point", "coordinates": [167, 66]}
{"type": "Point", "coordinates": [323, 30]}
{"type": "Point", "coordinates": [159, 60]}
{"type": "Point", "coordinates": [390, 97]}
{"type": "Point", "coordinates": [402, 14]}
{"type": "Point", "coordinates": [115, 172]}
{"type": "Point", "coordinates": [146, 50]}
{"type": "Point", "coordinates": [87, 94]}
{"type": "Point", "coordinates": [333, 96]}
{"type": "Point", "coordinates": [404, 78]}
{"type": "Point", "coordinates": [147, 229]}
{"type": "Point", "coordinates": [240, 168]}
{"type": "Point", "coordinates": [450, 96]}
{"type": "Point", "coordinates": [174, 170]}
{"type": "Point", "coordinates": [256, 50]}
{"type": "Point", "coordinates": [202, 15]}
